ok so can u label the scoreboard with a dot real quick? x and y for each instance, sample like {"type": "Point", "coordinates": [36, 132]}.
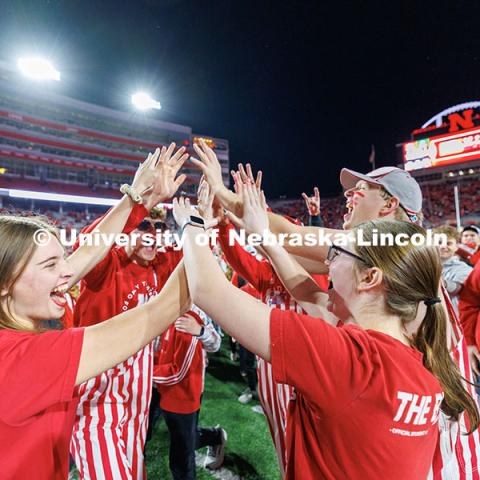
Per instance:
{"type": "Point", "coordinates": [450, 137]}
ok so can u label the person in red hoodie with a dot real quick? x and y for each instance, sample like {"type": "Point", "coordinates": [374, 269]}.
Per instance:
{"type": "Point", "coordinates": [179, 375]}
{"type": "Point", "coordinates": [112, 414]}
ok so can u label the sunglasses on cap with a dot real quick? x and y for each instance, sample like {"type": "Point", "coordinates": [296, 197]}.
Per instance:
{"type": "Point", "coordinates": [146, 226]}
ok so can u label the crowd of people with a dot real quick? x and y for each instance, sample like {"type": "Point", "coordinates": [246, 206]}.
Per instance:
{"type": "Point", "coordinates": [366, 354]}
{"type": "Point", "coordinates": [438, 204]}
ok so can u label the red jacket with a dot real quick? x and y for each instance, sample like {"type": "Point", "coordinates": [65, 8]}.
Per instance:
{"type": "Point", "coordinates": [179, 366]}
{"type": "Point", "coordinates": [469, 307]}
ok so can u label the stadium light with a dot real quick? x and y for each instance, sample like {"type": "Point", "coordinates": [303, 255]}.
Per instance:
{"type": "Point", "coordinates": [144, 101]}
{"type": "Point", "coordinates": [60, 197]}
{"type": "Point", "coordinates": [38, 69]}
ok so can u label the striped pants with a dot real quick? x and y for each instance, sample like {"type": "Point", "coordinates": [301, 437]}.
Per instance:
{"type": "Point", "coordinates": [457, 455]}
{"type": "Point", "coordinates": [112, 421]}
{"type": "Point", "coordinates": [274, 398]}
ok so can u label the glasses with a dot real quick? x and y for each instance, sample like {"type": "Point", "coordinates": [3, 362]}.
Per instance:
{"type": "Point", "coordinates": [334, 251]}
{"type": "Point", "coordinates": [146, 226]}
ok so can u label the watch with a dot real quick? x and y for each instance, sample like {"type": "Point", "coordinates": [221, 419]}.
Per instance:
{"type": "Point", "coordinates": [194, 221]}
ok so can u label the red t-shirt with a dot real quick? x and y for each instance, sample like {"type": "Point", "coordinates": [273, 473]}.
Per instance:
{"type": "Point", "coordinates": [37, 411]}
{"type": "Point", "coordinates": [365, 406]}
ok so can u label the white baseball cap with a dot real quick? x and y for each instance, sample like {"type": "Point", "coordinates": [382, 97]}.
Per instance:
{"type": "Point", "coordinates": [395, 181]}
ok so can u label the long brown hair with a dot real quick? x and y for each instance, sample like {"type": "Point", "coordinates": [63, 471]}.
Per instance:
{"type": "Point", "coordinates": [412, 274]}
{"type": "Point", "coordinates": [16, 248]}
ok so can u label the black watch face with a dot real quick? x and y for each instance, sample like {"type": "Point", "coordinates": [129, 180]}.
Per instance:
{"type": "Point", "coordinates": [196, 219]}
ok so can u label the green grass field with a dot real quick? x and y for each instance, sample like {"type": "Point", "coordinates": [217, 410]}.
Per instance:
{"type": "Point", "coordinates": [249, 452]}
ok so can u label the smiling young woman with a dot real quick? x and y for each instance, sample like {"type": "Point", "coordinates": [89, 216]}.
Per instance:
{"type": "Point", "coordinates": [39, 369]}
{"type": "Point", "coordinates": [368, 394]}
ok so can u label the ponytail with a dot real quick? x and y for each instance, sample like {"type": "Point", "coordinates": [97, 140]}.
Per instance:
{"type": "Point", "coordinates": [431, 341]}
{"type": "Point", "coordinates": [412, 274]}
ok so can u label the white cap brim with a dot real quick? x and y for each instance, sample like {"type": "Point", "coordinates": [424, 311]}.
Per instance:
{"type": "Point", "coordinates": [349, 178]}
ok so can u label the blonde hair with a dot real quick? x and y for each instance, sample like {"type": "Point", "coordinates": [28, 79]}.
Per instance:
{"type": "Point", "coordinates": [16, 248]}
{"type": "Point", "coordinates": [158, 213]}
{"type": "Point", "coordinates": [449, 231]}
{"type": "Point", "coordinates": [412, 274]}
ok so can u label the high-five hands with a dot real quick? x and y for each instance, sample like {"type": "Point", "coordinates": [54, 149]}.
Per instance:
{"type": "Point", "coordinates": [183, 210]}
{"type": "Point", "coordinates": [254, 219]}
{"type": "Point", "coordinates": [209, 165]}
{"type": "Point", "coordinates": [155, 178]}
{"type": "Point", "coordinates": [167, 167]}
{"type": "Point", "coordinates": [245, 175]}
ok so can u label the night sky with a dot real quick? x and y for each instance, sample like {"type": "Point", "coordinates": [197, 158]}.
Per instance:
{"type": "Point", "coordinates": [300, 89]}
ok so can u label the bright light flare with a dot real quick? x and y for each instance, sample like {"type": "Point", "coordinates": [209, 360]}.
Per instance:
{"type": "Point", "coordinates": [144, 101]}
{"type": "Point", "coordinates": [38, 69]}
{"type": "Point", "coordinates": [60, 197]}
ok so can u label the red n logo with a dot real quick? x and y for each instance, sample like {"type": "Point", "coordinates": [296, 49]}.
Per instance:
{"type": "Point", "coordinates": [458, 121]}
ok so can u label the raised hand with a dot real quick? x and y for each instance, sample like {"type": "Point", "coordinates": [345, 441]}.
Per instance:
{"type": "Point", "coordinates": [187, 324]}
{"type": "Point", "coordinates": [246, 175]}
{"type": "Point", "coordinates": [254, 219]}
{"type": "Point", "coordinates": [209, 165]}
{"type": "Point", "coordinates": [145, 175]}
{"type": "Point", "coordinates": [313, 202]}
{"type": "Point", "coordinates": [182, 210]}
{"type": "Point", "coordinates": [205, 198]}
{"type": "Point", "coordinates": [166, 168]}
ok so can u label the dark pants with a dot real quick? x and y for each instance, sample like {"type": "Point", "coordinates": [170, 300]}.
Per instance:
{"type": "Point", "coordinates": [154, 413]}
{"type": "Point", "coordinates": [185, 438]}
{"type": "Point", "coordinates": [248, 368]}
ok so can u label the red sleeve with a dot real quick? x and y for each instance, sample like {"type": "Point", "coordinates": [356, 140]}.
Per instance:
{"type": "Point", "coordinates": [254, 271]}
{"type": "Point", "coordinates": [183, 346]}
{"type": "Point", "coordinates": [37, 371]}
{"type": "Point", "coordinates": [322, 281]}
{"type": "Point", "coordinates": [95, 276]}
{"type": "Point", "coordinates": [330, 366]}
{"type": "Point", "coordinates": [138, 213]}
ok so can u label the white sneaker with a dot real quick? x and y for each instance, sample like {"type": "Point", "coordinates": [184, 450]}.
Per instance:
{"type": "Point", "coordinates": [258, 409]}
{"type": "Point", "coordinates": [216, 453]}
{"type": "Point", "coordinates": [246, 397]}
